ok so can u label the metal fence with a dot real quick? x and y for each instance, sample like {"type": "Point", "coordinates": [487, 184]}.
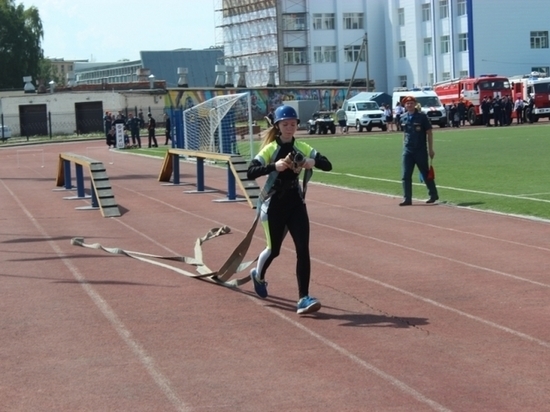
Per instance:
{"type": "Point", "coordinates": [40, 124]}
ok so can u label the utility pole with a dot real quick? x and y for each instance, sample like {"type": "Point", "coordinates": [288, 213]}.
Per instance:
{"type": "Point", "coordinates": [363, 45]}
{"type": "Point", "coordinates": [366, 41]}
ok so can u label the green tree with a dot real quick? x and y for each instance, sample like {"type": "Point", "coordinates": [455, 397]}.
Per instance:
{"type": "Point", "coordinates": [47, 72]}
{"type": "Point", "coordinates": [21, 35]}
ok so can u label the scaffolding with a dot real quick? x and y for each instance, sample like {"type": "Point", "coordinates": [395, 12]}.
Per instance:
{"type": "Point", "coordinates": [249, 30]}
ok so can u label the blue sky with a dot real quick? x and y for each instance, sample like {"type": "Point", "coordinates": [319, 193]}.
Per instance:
{"type": "Point", "coordinates": [111, 30]}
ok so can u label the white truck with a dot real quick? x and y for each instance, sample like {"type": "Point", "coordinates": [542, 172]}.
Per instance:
{"type": "Point", "coordinates": [429, 101]}
{"type": "Point", "coordinates": [364, 114]}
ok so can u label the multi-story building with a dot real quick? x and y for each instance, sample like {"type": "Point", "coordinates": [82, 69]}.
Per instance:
{"type": "Point", "coordinates": [305, 41]}
{"type": "Point", "coordinates": [162, 65]}
{"type": "Point", "coordinates": [436, 40]}
{"type": "Point", "coordinates": [64, 67]}
{"type": "Point", "coordinates": [391, 42]}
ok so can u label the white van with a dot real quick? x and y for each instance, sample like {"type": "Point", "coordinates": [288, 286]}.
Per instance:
{"type": "Point", "coordinates": [428, 99]}
{"type": "Point", "coordinates": [364, 114]}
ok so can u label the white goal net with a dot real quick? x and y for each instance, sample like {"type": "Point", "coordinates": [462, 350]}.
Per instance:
{"type": "Point", "coordinates": [222, 124]}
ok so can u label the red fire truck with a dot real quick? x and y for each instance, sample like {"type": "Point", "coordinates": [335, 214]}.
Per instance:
{"type": "Point", "coordinates": [534, 86]}
{"type": "Point", "coordinates": [472, 90]}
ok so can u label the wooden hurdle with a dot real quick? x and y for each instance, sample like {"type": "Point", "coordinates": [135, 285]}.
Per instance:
{"type": "Point", "coordinates": [102, 196]}
{"type": "Point", "coordinates": [236, 173]}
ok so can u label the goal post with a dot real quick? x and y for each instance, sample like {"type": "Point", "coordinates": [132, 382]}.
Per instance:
{"type": "Point", "coordinates": [222, 124]}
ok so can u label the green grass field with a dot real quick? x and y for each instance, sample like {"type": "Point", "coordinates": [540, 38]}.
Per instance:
{"type": "Point", "coordinates": [503, 169]}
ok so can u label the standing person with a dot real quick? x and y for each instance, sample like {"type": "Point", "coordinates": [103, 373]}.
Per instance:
{"type": "Point", "coordinates": [417, 135]}
{"type": "Point", "coordinates": [270, 117]}
{"type": "Point", "coordinates": [283, 209]}
{"type": "Point", "coordinates": [342, 120]}
{"type": "Point", "coordinates": [518, 108]}
{"type": "Point", "coordinates": [107, 122]}
{"type": "Point", "coordinates": [529, 110]}
{"type": "Point", "coordinates": [398, 112]}
{"type": "Point", "coordinates": [151, 130]}
{"type": "Point", "coordinates": [497, 111]}
{"type": "Point", "coordinates": [453, 114]}
{"type": "Point", "coordinates": [141, 119]}
{"type": "Point", "coordinates": [167, 129]}
{"type": "Point", "coordinates": [461, 107]}
{"type": "Point", "coordinates": [486, 111]}
{"type": "Point", "coordinates": [508, 109]}
{"type": "Point", "coordinates": [133, 124]}
{"type": "Point", "coordinates": [389, 118]}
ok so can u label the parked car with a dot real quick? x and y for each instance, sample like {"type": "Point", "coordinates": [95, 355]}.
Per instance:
{"type": "Point", "coordinates": [322, 122]}
{"type": "Point", "coordinates": [5, 132]}
{"type": "Point", "coordinates": [365, 114]}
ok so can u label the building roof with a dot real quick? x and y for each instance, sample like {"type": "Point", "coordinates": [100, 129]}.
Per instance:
{"type": "Point", "coordinates": [200, 64]}
{"type": "Point", "coordinates": [378, 97]}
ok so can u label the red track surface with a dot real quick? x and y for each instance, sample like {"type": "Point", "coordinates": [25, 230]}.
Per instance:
{"type": "Point", "coordinates": [424, 307]}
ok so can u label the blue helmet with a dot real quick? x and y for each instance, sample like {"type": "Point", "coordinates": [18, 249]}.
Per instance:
{"type": "Point", "coordinates": [285, 113]}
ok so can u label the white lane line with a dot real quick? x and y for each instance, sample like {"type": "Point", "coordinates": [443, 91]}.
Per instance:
{"type": "Point", "coordinates": [434, 255]}
{"type": "Point", "coordinates": [418, 297]}
{"type": "Point", "coordinates": [147, 361]}
{"type": "Point", "coordinates": [444, 187]}
{"type": "Point", "coordinates": [355, 359]}
{"type": "Point", "coordinates": [362, 211]}
{"type": "Point", "coordinates": [439, 305]}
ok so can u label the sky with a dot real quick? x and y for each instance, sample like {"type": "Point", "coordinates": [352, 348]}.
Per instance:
{"type": "Point", "coordinates": [112, 30]}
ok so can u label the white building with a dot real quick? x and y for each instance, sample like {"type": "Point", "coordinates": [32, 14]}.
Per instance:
{"type": "Point", "coordinates": [412, 42]}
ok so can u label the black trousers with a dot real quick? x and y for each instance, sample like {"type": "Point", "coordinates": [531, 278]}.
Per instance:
{"type": "Point", "coordinates": [152, 138]}
{"type": "Point", "coordinates": [288, 213]}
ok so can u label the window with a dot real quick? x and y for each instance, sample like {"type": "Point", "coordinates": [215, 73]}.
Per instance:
{"type": "Point", "coordinates": [541, 70]}
{"type": "Point", "coordinates": [426, 12]}
{"type": "Point", "coordinates": [445, 44]}
{"type": "Point", "coordinates": [443, 9]}
{"type": "Point", "coordinates": [351, 54]}
{"type": "Point", "coordinates": [401, 16]}
{"type": "Point", "coordinates": [402, 49]}
{"type": "Point", "coordinates": [323, 21]}
{"type": "Point", "coordinates": [463, 73]}
{"type": "Point", "coordinates": [539, 39]}
{"type": "Point", "coordinates": [427, 46]}
{"type": "Point", "coordinates": [295, 56]}
{"type": "Point", "coordinates": [461, 7]}
{"type": "Point", "coordinates": [542, 88]}
{"type": "Point", "coordinates": [324, 54]}
{"type": "Point", "coordinates": [430, 79]}
{"type": "Point", "coordinates": [294, 21]}
{"type": "Point", "coordinates": [446, 76]}
{"type": "Point", "coordinates": [463, 42]}
{"type": "Point", "coordinates": [493, 85]}
{"type": "Point", "coordinates": [402, 80]}
{"type": "Point", "coordinates": [353, 21]}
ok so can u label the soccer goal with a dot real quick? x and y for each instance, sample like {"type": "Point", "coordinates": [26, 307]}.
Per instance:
{"type": "Point", "coordinates": [222, 124]}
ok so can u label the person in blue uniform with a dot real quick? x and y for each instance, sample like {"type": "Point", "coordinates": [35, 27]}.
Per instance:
{"type": "Point", "coordinates": [417, 146]}
{"type": "Point", "coordinates": [282, 205]}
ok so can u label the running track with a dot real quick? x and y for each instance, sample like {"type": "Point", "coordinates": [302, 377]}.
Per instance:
{"type": "Point", "coordinates": [424, 308]}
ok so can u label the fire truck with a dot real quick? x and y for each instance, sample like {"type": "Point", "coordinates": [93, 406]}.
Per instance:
{"type": "Point", "coordinates": [534, 86]}
{"type": "Point", "coordinates": [472, 90]}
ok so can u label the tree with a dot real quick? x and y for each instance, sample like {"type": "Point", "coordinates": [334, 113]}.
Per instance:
{"type": "Point", "coordinates": [21, 35]}
{"type": "Point", "coordinates": [47, 72]}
